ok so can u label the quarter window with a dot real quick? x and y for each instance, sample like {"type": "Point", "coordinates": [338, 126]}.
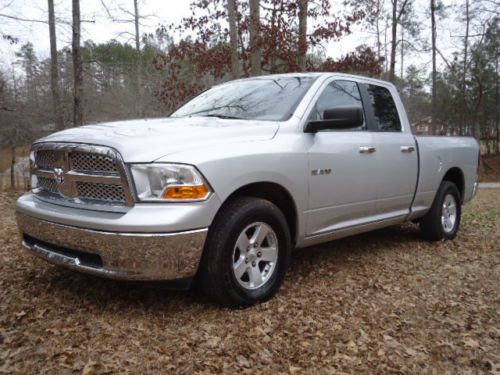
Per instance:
{"type": "Point", "coordinates": [337, 94]}
{"type": "Point", "coordinates": [384, 109]}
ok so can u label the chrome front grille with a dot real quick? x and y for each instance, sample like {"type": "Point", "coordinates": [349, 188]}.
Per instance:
{"type": "Point", "coordinates": [87, 162]}
{"type": "Point", "coordinates": [47, 184]}
{"type": "Point", "coordinates": [82, 175]}
{"type": "Point", "coordinates": [100, 192]}
{"type": "Point", "coordinates": [47, 159]}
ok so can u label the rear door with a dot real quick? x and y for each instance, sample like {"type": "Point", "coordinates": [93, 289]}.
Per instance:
{"type": "Point", "coordinates": [396, 154]}
{"type": "Point", "coordinates": [342, 166]}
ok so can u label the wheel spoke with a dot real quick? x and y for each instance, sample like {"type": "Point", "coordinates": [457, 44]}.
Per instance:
{"type": "Point", "coordinates": [260, 234]}
{"type": "Point", "coordinates": [449, 225]}
{"type": "Point", "coordinates": [452, 210]}
{"type": "Point", "coordinates": [255, 276]}
{"type": "Point", "coordinates": [240, 267]}
{"type": "Point", "coordinates": [269, 254]}
{"type": "Point", "coordinates": [242, 242]}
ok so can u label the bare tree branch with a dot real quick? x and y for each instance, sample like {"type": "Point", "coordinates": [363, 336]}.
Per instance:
{"type": "Point", "coordinates": [402, 10]}
{"type": "Point", "coordinates": [21, 19]}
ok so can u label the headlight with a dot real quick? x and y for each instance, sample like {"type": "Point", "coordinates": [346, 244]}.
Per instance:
{"type": "Point", "coordinates": [169, 182]}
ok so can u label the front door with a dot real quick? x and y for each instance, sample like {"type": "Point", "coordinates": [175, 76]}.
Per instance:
{"type": "Point", "coordinates": [342, 167]}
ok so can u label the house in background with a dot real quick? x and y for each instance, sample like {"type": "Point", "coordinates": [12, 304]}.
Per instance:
{"type": "Point", "coordinates": [424, 127]}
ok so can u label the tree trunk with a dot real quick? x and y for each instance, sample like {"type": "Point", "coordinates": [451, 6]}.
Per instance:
{"type": "Point", "coordinates": [255, 49]}
{"type": "Point", "coordinates": [54, 70]}
{"type": "Point", "coordinates": [402, 68]}
{"type": "Point", "coordinates": [392, 68]}
{"type": "Point", "coordinates": [242, 45]}
{"type": "Point", "coordinates": [12, 165]}
{"type": "Point", "coordinates": [140, 106]}
{"type": "Point", "coordinates": [476, 130]}
{"type": "Point", "coordinates": [274, 37]}
{"type": "Point", "coordinates": [464, 72]}
{"type": "Point", "coordinates": [434, 72]}
{"type": "Point", "coordinates": [377, 27]}
{"type": "Point", "coordinates": [497, 105]}
{"type": "Point", "coordinates": [77, 67]}
{"type": "Point", "coordinates": [302, 50]}
{"type": "Point", "coordinates": [233, 38]}
{"type": "Point", "coordinates": [386, 60]}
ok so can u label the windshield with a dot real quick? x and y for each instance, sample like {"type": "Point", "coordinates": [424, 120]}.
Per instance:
{"type": "Point", "coordinates": [272, 98]}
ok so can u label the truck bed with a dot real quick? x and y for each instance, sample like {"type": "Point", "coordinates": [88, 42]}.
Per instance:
{"type": "Point", "coordinates": [437, 156]}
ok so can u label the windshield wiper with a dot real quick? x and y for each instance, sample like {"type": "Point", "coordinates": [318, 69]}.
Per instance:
{"type": "Point", "coordinates": [223, 117]}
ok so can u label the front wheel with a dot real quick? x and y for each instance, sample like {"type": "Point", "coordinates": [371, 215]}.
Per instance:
{"type": "Point", "coordinates": [246, 254]}
{"type": "Point", "coordinates": [443, 219]}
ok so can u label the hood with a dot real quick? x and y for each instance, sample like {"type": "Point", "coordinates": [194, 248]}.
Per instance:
{"type": "Point", "coordinates": [148, 140]}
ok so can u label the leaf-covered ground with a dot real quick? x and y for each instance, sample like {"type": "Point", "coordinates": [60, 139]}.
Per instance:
{"type": "Point", "coordinates": [380, 303]}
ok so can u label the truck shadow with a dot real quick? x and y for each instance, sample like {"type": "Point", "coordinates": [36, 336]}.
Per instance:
{"type": "Point", "coordinates": [140, 297]}
{"type": "Point", "coordinates": [361, 249]}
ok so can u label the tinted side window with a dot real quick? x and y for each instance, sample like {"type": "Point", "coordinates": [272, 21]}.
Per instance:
{"type": "Point", "coordinates": [337, 94]}
{"type": "Point", "coordinates": [384, 109]}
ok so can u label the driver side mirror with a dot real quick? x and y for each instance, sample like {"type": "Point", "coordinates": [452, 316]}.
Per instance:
{"type": "Point", "coordinates": [337, 118]}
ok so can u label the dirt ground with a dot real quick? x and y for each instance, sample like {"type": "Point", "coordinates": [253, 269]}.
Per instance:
{"type": "Point", "coordinates": [379, 303]}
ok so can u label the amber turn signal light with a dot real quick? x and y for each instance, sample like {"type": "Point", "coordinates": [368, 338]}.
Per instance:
{"type": "Point", "coordinates": [185, 192]}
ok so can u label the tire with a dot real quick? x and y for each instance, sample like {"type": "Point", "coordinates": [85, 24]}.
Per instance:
{"type": "Point", "coordinates": [443, 219]}
{"type": "Point", "coordinates": [229, 250]}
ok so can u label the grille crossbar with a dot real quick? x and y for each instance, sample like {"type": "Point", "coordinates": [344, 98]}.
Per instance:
{"type": "Point", "coordinates": [80, 174]}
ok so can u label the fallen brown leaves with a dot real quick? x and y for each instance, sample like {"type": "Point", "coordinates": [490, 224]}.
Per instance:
{"type": "Point", "coordinates": [382, 302]}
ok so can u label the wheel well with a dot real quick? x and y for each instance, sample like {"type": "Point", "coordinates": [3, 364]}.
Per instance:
{"type": "Point", "coordinates": [456, 176]}
{"type": "Point", "coordinates": [274, 193]}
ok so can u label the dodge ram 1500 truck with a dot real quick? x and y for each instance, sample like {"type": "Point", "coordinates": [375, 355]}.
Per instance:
{"type": "Point", "coordinates": [221, 191]}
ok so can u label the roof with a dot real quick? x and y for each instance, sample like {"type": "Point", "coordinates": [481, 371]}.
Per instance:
{"type": "Point", "coordinates": [325, 74]}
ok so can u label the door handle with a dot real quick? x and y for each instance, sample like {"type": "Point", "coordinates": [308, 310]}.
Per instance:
{"type": "Point", "coordinates": [367, 149]}
{"type": "Point", "coordinates": [407, 149]}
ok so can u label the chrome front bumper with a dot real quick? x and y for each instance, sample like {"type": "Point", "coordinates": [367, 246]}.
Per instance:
{"type": "Point", "coordinates": [117, 255]}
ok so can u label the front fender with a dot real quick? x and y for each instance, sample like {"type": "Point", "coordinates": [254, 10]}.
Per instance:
{"type": "Point", "coordinates": [281, 161]}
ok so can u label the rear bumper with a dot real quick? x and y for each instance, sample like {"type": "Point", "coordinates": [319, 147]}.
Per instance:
{"type": "Point", "coordinates": [117, 255]}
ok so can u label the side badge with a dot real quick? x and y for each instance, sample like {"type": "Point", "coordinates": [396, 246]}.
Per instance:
{"type": "Point", "coordinates": [320, 172]}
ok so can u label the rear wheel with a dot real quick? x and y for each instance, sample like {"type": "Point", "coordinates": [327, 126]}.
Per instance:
{"type": "Point", "coordinates": [246, 254]}
{"type": "Point", "coordinates": [443, 219]}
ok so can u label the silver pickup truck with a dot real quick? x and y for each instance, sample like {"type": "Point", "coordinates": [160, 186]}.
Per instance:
{"type": "Point", "coordinates": [221, 192]}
